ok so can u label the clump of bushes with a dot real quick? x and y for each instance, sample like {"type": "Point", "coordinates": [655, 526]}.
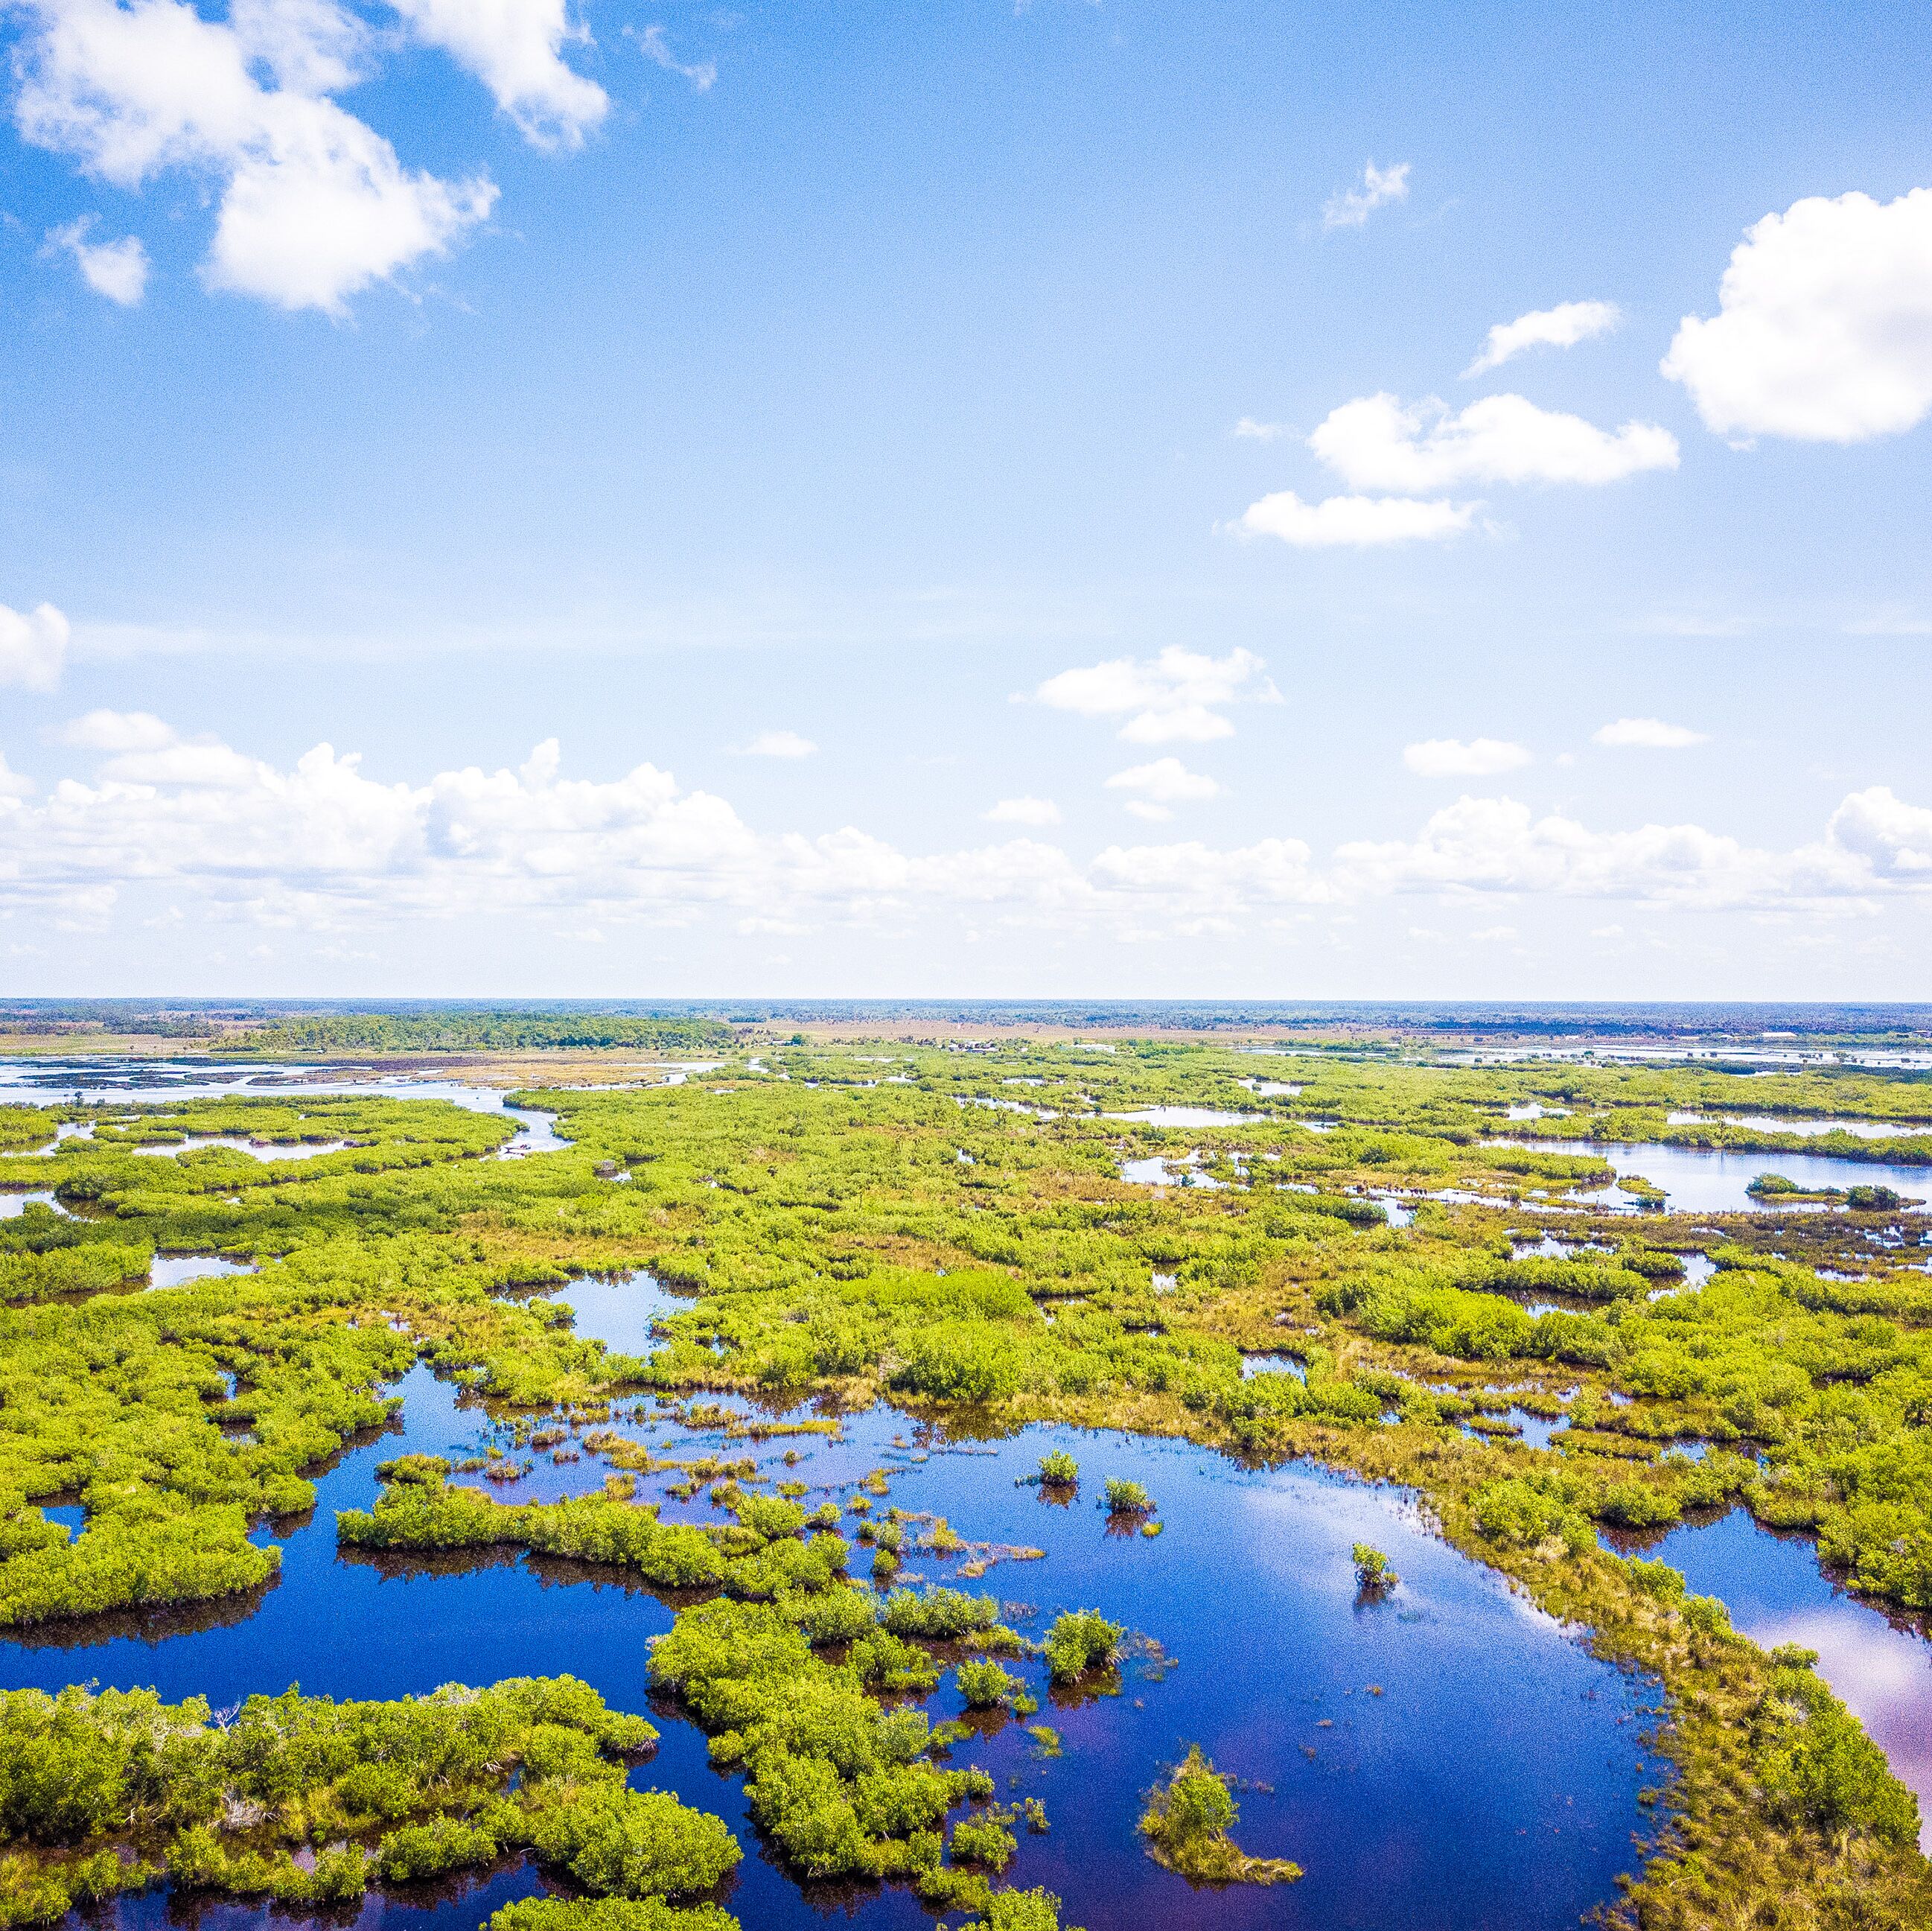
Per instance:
{"type": "Point", "coordinates": [271, 1803]}
{"type": "Point", "coordinates": [1079, 1641]}
{"type": "Point", "coordinates": [1186, 1825]}
{"type": "Point", "coordinates": [985, 1685]}
{"type": "Point", "coordinates": [1373, 1575]}
{"type": "Point", "coordinates": [844, 1786]}
{"type": "Point", "coordinates": [1128, 1498]}
{"type": "Point", "coordinates": [1818, 1766]}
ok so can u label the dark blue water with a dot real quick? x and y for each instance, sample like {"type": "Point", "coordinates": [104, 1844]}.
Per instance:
{"type": "Point", "coordinates": [1444, 1757]}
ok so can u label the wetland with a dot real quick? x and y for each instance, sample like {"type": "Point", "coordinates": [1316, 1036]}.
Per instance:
{"type": "Point", "coordinates": [692, 1419]}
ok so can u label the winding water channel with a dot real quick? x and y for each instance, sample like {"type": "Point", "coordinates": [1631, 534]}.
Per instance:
{"type": "Point", "coordinates": [1445, 1757]}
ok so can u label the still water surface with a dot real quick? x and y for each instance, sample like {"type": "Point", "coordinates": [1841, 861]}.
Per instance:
{"type": "Point", "coordinates": [1447, 1757]}
{"type": "Point", "coordinates": [1704, 1180]}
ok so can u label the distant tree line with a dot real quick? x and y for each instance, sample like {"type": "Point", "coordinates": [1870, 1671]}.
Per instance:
{"type": "Point", "coordinates": [461, 1032]}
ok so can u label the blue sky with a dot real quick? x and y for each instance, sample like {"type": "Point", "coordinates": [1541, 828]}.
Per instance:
{"type": "Point", "coordinates": [979, 405]}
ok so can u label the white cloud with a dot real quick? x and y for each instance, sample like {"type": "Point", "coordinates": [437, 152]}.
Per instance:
{"type": "Point", "coordinates": [1562, 327]}
{"type": "Point", "coordinates": [1176, 697]}
{"type": "Point", "coordinates": [1493, 934]}
{"type": "Point", "coordinates": [1023, 811]}
{"type": "Point", "coordinates": [33, 647]}
{"type": "Point", "coordinates": [1893, 837]}
{"type": "Point", "coordinates": [1824, 327]}
{"type": "Point", "coordinates": [114, 731]}
{"type": "Point", "coordinates": [780, 744]}
{"type": "Point", "coordinates": [515, 47]}
{"type": "Point", "coordinates": [1260, 432]}
{"type": "Point", "coordinates": [1497, 844]}
{"type": "Point", "coordinates": [324, 846]}
{"type": "Point", "coordinates": [313, 204]}
{"type": "Point", "coordinates": [1276, 870]}
{"type": "Point", "coordinates": [116, 270]}
{"type": "Point", "coordinates": [1374, 443]}
{"type": "Point", "coordinates": [1450, 757]}
{"type": "Point", "coordinates": [1353, 522]}
{"type": "Point", "coordinates": [1648, 734]}
{"type": "Point", "coordinates": [1354, 206]}
{"type": "Point", "coordinates": [1165, 782]}
{"type": "Point", "coordinates": [702, 74]}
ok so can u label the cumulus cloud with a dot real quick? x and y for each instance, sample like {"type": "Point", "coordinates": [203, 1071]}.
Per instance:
{"type": "Point", "coordinates": [780, 744]}
{"type": "Point", "coordinates": [1648, 734]}
{"type": "Point", "coordinates": [1354, 206]}
{"type": "Point", "coordinates": [114, 731]}
{"type": "Point", "coordinates": [1450, 757]}
{"type": "Point", "coordinates": [33, 647]}
{"type": "Point", "coordinates": [1353, 522]}
{"type": "Point", "coordinates": [1875, 843]}
{"type": "Point", "coordinates": [323, 845]}
{"type": "Point", "coordinates": [116, 270]}
{"type": "Point", "coordinates": [1165, 782]}
{"type": "Point", "coordinates": [1893, 837]}
{"type": "Point", "coordinates": [1252, 431]}
{"type": "Point", "coordinates": [1375, 443]}
{"type": "Point", "coordinates": [1823, 332]}
{"type": "Point", "coordinates": [1562, 327]}
{"type": "Point", "coordinates": [702, 74]}
{"type": "Point", "coordinates": [313, 205]}
{"type": "Point", "coordinates": [1180, 696]}
{"type": "Point", "coordinates": [1023, 811]}
{"type": "Point", "coordinates": [515, 47]}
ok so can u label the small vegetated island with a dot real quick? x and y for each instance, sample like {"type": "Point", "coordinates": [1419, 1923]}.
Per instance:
{"type": "Point", "coordinates": [1383, 1278]}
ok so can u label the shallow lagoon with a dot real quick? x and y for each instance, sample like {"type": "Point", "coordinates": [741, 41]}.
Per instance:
{"type": "Point", "coordinates": [1491, 1782]}
{"type": "Point", "coordinates": [1703, 1180]}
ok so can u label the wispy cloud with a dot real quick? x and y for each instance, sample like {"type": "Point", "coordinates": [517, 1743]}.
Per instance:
{"type": "Point", "coordinates": [1450, 757]}
{"type": "Point", "coordinates": [702, 74]}
{"type": "Point", "coordinates": [779, 744]}
{"type": "Point", "coordinates": [116, 270]}
{"type": "Point", "coordinates": [1354, 206]}
{"type": "Point", "coordinates": [1023, 811]}
{"type": "Point", "coordinates": [1648, 734]}
{"type": "Point", "coordinates": [1562, 327]}
{"type": "Point", "coordinates": [1180, 696]}
{"type": "Point", "coordinates": [1353, 522]}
